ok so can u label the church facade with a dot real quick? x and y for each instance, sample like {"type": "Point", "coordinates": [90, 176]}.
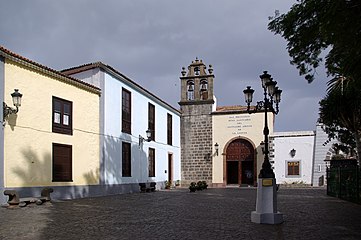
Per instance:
{"type": "Point", "coordinates": [219, 145]}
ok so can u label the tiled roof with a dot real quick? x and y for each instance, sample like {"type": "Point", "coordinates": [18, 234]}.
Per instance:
{"type": "Point", "coordinates": [114, 72]}
{"type": "Point", "coordinates": [82, 68]}
{"type": "Point", "coordinates": [20, 59]}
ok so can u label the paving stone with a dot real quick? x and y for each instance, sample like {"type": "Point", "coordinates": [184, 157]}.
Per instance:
{"type": "Point", "coordinates": [177, 214]}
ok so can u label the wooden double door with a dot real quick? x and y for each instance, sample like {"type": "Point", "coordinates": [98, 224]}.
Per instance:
{"type": "Point", "coordinates": [240, 163]}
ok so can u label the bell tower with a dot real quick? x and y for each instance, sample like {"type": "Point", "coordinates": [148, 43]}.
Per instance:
{"type": "Point", "coordinates": [196, 84]}
{"type": "Point", "coordinates": [196, 105]}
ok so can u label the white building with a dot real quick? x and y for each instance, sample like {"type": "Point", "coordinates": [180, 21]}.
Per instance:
{"type": "Point", "coordinates": [292, 156]}
{"type": "Point", "coordinates": [323, 151]}
{"type": "Point", "coordinates": [127, 111]}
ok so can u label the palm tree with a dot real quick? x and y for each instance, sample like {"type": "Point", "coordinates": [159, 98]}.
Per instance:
{"type": "Point", "coordinates": [340, 112]}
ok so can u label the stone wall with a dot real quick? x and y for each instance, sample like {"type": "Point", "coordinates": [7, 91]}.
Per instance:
{"type": "Point", "coordinates": [196, 143]}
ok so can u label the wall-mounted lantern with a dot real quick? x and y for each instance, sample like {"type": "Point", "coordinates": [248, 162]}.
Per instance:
{"type": "Point", "coordinates": [148, 139]}
{"type": "Point", "coordinates": [16, 96]}
{"type": "Point", "coordinates": [216, 147]}
{"type": "Point", "coordinates": [293, 153]}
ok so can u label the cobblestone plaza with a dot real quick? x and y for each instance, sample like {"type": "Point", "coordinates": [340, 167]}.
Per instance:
{"type": "Point", "coordinates": [177, 214]}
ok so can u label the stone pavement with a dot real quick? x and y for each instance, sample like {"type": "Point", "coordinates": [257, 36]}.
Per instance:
{"type": "Point", "coordinates": [178, 214]}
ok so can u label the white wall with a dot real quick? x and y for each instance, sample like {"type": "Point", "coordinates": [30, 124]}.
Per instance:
{"type": "Point", "coordinates": [112, 93]}
{"type": "Point", "coordinates": [283, 143]}
{"type": "Point", "coordinates": [323, 151]}
{"type": "Point", "coordinates": [112, 136]}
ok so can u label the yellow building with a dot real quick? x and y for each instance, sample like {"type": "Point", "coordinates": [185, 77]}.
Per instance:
{"type": "Point", "coordinates": [53, 140]}
{"type": "Point", "coordinates": [238, 136]}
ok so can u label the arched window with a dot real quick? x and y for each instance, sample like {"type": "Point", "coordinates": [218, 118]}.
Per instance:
{"type": "Point", "coordinates": [204, 89]}
{"type": "Point", "coordinates": [190, 90]}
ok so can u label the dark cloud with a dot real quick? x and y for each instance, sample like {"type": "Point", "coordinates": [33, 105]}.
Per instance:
{"type": "Point", "coordinates": [149, 41]}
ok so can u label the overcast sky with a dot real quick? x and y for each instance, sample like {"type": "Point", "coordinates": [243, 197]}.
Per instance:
{"type": "Point", "coordinates": [151, 40]}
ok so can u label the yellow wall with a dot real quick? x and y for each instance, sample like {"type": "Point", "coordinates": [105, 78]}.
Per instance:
{"type": "Point", "coordinates": [231, 126]}
{"type": "Point", "coordinates": [28, 135]}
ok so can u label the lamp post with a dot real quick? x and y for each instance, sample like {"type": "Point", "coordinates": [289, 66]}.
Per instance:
{"type": "Point", "coordinates": [266, 206]}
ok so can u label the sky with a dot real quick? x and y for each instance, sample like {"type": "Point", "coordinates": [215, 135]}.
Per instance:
{"type": "Point", "coordinates": [150, 41]}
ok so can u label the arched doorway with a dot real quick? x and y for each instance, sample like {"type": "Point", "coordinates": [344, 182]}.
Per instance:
{"type": "Point", "coordinates": [240, 163]}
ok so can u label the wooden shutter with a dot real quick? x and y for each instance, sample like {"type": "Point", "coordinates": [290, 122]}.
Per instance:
{"type": "Point", "coordinates": [169, 129]}
{"type": "Point", "coordinates": [126, 111]}
{"type": "Point", "coordinates": [151, 120]}
{"type": "Point", "coordinates": [151, 160]}
{"type": "Point", "coordinates": [62, 116]}
{"type": "Point", "coordinates": [126, 160]}
{"type": "Point", "coordinates": [62, 162]}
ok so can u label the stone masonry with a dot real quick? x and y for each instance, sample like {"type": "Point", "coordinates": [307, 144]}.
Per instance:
{"type": "Point", "coordinates": [196, 143]}
{"type": "Point", "coordinates": [196, 123]}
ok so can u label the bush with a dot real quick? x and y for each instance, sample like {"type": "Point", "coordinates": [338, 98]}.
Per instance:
{"type": "Point", "coordinates": [192, 187]}
{"type": "Point", "coordinates": [199, 186]}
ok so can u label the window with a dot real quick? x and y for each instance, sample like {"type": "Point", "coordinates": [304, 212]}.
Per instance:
{"type": "Point", "coordinates": [190, 90]}
{"type": "Point", "coordinates": [151, 162]}
{"type": "Point", "coordinates": [151, 120]}
{"type": "Point", "coordinates": [62, 163]}
{"type": "Point", "coordinates": [169, 129]}
{"type": "Point", "coordinates": [126, 160]}
{"type": "Point", "coordinates": [126, 111]}
{"type": "Point", "coordinates": [293, 168]}
{"type": "Point", "coordinates": [62, 116]}
{"type": "Point", "coordinates": [204, 89]}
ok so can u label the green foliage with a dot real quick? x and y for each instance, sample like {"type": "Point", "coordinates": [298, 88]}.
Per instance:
{"type": "Point", "coordinates": [177, 183]}
{"type": "Point", "coordinates": [199, 186]}
{"type": "Point", "coordinates": [330, 28]}
{"type": "Point", "coordinates": [340, 112]}
{"type": "Point", "coordinates": [313, 27]}
{"type": "Point", "coordinates": [192, 187]}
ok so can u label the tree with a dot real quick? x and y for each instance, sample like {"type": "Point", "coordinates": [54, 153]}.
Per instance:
{"type": "Point", "coordinates": [330, 28]}
{"type": "Point", "coordinates": [340, 113]}
{"type": "Point", "coordinates": [316, 27]}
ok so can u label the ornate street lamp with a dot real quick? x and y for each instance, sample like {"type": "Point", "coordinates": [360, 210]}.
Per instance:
{"type": "Point", "coordinates": [266, 206]}
{"type": "Point", "coordinates": [272, 95]}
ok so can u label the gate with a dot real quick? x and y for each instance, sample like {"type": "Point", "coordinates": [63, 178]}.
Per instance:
{"type": "Point", "coordinates": [344, 183]}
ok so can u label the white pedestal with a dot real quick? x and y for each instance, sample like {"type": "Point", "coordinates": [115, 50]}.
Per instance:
{"type": "Point", "coordinates": [266, 205]}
